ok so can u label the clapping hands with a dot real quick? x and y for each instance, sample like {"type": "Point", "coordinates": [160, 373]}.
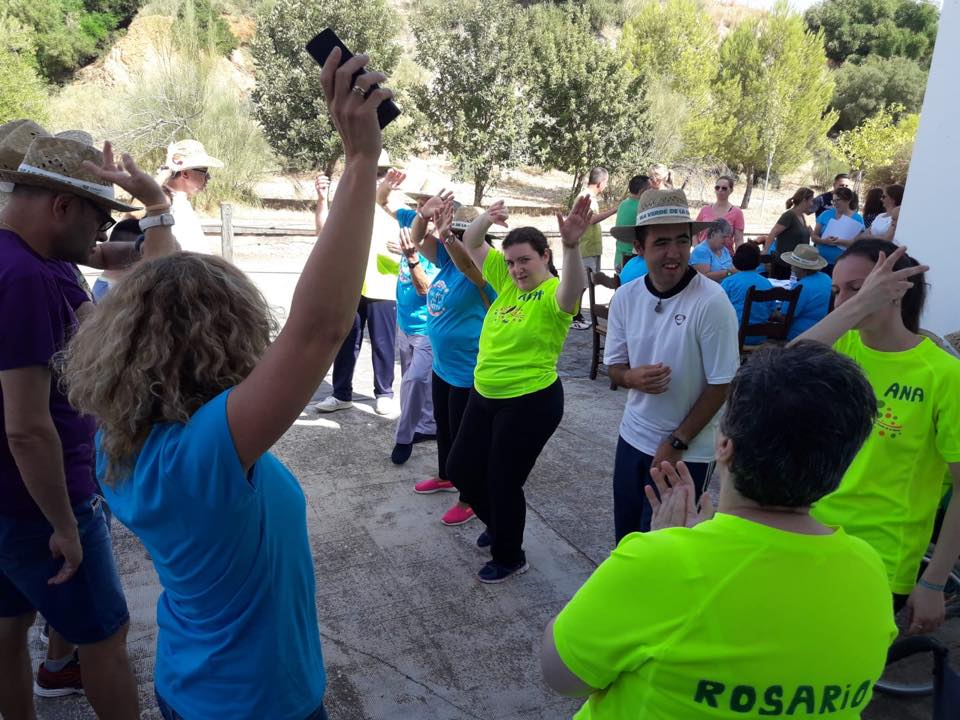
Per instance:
{"type": "Point", "coordinates": [676, 505]}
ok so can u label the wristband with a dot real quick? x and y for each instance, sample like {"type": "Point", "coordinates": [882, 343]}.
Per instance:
{"type": "Point", "coordinates": [412, 265]}
{"type": "Point", "coordinates": [931, 586]}
{"type": "Point", "coordinates": [154, 208]}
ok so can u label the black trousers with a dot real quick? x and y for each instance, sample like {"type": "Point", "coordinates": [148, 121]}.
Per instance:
{"type": "Point", "coordinates": [449, 404]}
{"type": "Point", "coordinates": [492, 456]}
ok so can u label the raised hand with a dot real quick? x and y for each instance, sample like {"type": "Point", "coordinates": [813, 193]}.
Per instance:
{"type": "Point", "coordinates": [128, 176]}
{"type": "Point", "coordinates": [322, 186]}
{"type": "Point", "coordinates": [670, 479]}
{"type": "Point", "coordinates": [354, 110]}
{"type": "Point", "coordinates": [497, 213]}
{"type": "Point", "coordinates": [407, 247]}
{"type": "Point", "coordinates": [431, 206]}
{"type": "Point", "coordinates": [394, 178]}
{"type": "Point", "coordinates": [574, 225]}
{"type": "Point", "coordinates": [443, 221]}
{"type": "Point", "coordinates": [884, 285]}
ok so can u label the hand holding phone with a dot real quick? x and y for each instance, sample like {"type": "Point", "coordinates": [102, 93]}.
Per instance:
{"type": "Point", "coordinates": [320, 48]}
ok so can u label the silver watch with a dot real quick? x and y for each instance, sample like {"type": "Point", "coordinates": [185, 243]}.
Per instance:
{"type": "Point", "coordinates": [164, 219]}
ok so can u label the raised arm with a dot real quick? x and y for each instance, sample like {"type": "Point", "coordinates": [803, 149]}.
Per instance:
{"type": "Point", "coordinates": [458, 253]}
{"type": "Point", "coordinates": [425, 213]}
{"type": "Point", "coordinates": [573, 279]}
{"type": "Point", "coordinates": [322, 209]}
{"type": "Point", "coordinates": [265, 404]}
{"type": "Point", "coordinates": [473, 236]}
{"type": "Point", "coordinates": [421, 283]}
{"type": "Point", "coordinates": [389, 183]}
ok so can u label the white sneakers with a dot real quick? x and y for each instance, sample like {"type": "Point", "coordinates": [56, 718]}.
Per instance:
{"type": "Point", "coordinates": [332, 404]}
{"type": "Point", "coordinates": [386, 406]}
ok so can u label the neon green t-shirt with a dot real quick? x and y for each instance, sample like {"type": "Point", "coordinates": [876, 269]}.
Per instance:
{"type": "Point", "coordinates": [522, 335]}
{"type": "Point", "coordinates": [729, 619]}
{"type": "Point", "coordinates": [890, 494]}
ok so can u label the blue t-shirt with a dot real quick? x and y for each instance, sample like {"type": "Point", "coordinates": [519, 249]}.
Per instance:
{"type": "Point", "coordinates": [411, 305]}
{"type": "Point", "coordinates": [238, 634]}
{"type": "Point", "coordinates": [831, 253]}
{"type": "Point", "coordinates": [736, 287]}
{"type": "Point", "coordinates": [405, 217]}
{"type": "Point", "coordinates": [813, 304]}
{"type": "Point", "coordinates": [703, 255]}
{"type": "Point", "coordinates": [635, 268]}
{"type": "Point", "coordinates": [455, 318]}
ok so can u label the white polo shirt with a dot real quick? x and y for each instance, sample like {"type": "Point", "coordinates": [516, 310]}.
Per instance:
{"type": "Point", "coordinates": [187, 228]}
{"type": "Point", "coordinates": [695, 335]}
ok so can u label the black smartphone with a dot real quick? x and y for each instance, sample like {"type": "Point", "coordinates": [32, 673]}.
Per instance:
{"type": "Point", "coordinates": [320, 48]}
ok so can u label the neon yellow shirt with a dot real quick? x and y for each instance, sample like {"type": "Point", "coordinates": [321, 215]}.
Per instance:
{"type": "Point", "coordinates": [522, 335]}
{"type": "Point", "coordinates": [890, 494]}
{"type": "Point", "coordinates": [729, 619]}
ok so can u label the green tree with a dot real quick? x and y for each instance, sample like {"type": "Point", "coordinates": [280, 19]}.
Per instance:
{"type": "Point", "coordinates": [288, 99]}
{"type": "Point", "coordinates": [201, 17]}
{"type": "Point", "coordinates": [773, 83]}
{"type": "Point", "coordinates": [866, 88]}
{"type": "Point", "coordinates": [23, 93]}
{"type": "Point", "coordinates": [479, 103]}
{"type": "Point", "coordinates": [879, 140]}
{"type": "Point", "coordinates": [592, 107]}
{"type": "Point", "coordinates": [672, 45]}
{"type": "Point", "coordinates": [855, 29]}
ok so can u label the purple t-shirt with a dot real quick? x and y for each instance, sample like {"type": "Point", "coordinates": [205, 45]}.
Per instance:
{"type": "Point", "coordinates": [36, 320]}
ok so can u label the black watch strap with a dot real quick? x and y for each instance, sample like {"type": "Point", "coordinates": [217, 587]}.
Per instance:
{"type": "Point", "coordinates": [676, 443]}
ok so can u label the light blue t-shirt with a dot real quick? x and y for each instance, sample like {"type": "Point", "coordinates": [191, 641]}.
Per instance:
{"type": "Point", "coordinates": [411, 305]}
{"type": "Point", "coordinates": [635, 268]}
{"type": "Point", "coordinates": [405, 217]}
{"type": "Point", "coordinates": [455, 317]}
{"type": "Point", "coordinates": [813, 304]}
{"type": "Point", "coordinates": [237, 618]}
{"type": "Point", "coordinates": [831, 253]}
{"type": "Point", "coordinates": [703, 255]}
{"type": "Point", "coordinates": [736, 287]}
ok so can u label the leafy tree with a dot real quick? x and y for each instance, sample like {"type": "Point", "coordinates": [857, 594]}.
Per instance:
{"type": "Point", "coordinates": [288, 99]}
{"type": "Point", "coordinates": [479, 102]}
{"type": "Point", "coordinates": [593, 112]}
{"type": "Point", "coordinates": [866, 88]}
{"type": "Point", "coordinates": [879, 140]}
{"type": "Point", "coordinates": [22, 91]}
{"type": "Point", "coordinates": [855, 29]}
{"type": "Point", "coordinates": [200, 16]}
{"type": "Point", "coordinates": [773, 83]}
{"type": "Point", "coordinates": [673, 45]}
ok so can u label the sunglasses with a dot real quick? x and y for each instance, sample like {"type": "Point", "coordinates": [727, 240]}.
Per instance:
{"type": "Point", "coordinates": [718, 188]}
{"type": "Point", "coordinates": [106, 222]}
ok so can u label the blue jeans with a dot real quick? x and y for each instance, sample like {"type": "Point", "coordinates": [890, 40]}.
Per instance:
{"type": "Point", "coordinates": [380, 319]}
{"type": "Point", "coordinates": [168, 713]}
{"type": "Point", "coordinates": [90, 606]}
{"type": "Point", "coordinates": [631, 473]}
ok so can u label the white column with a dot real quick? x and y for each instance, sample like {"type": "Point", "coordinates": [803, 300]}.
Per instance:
{"type": "Point", "coordinates": [926, 218]}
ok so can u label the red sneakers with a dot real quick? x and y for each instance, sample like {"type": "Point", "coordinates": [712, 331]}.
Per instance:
{"type": "Point", "coordinates": [457, 515]}
{"type": "Point", "coordinates": [433, 485]}
{"type": "Point", "coordinates": [58, 684]}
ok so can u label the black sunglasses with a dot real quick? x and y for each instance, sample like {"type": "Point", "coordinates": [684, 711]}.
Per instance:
{"type": "Point", "coordinates": [106, 222]}
{"type": "Point", "coordinates": [721, 187]}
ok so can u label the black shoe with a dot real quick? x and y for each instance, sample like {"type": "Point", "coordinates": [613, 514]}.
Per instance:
{"type": "Point", "coordinates": [493, 572]}
{"type": "Point", "coordinates": [423, 437]}
{"type": "Point", "coordinates": [401, 453]}
{"type": "Point", "coordinates": [485, 540]}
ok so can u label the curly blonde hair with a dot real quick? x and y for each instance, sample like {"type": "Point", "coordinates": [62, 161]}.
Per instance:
{"type": "Point", "coordinates": [166, 340]}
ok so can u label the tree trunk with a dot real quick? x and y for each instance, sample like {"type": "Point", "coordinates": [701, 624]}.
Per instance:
{"type": "Point", "coordinates": [479, 185]}
{"type": "Point", "coordinates": [748, 190]}
{"type": "Point", "coordinates": [331, 167]}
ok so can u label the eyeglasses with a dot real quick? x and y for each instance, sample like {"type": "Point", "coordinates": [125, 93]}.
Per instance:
{"type": "Point", "coordinates": [106, 222]}
{"type": "Point", "coordinates": [202, 171]}
{"type": "Point", "coordinates": [718, 188]}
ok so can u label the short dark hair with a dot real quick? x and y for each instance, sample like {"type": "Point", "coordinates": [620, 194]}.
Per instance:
{"type": "Point", "coordinates": [720, 226]}
{"type": "Point", "coordinates": [841, 176]}
{"type": "Point", "coordinates": [597, 176]}
{"type": "Point", "coordinates": [797, 416]}
{"type": "Point", "coordinates": [535, 239]}
{"type": "Point", "coordinates": [638, 183]}
{"type": "Point", "coordinates": [747, 257]}
{"type": "Point", "coordinates": [895, 193]}
{"type": "Point", "coordinates": [849, 196]}
{"type": "Point", "coordinates": [127, 226]}
{"type": "Point", "coordinates": [911, 304]}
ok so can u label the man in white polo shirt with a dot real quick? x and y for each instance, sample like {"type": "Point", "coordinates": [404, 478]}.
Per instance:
{"type": "Point", "coordinates": [672, 340]}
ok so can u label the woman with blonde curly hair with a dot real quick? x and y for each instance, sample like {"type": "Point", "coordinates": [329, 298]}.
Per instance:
{"type": "Point", "coordinates": [190, 395]}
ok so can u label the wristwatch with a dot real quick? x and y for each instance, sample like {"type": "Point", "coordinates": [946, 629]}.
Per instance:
{"type": "Point", "coordinates": [164, 219]}
{"type": "Point", "coordinates": [676, 443]}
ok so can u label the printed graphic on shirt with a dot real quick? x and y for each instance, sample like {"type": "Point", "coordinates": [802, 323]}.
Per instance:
{"type": "Point", "coordinates": [776, 700]}
{"type": "Point", "coordinates": [511, 314]}
{"type": "Point", "coordinates": [887, 425]}
{"type": "Point", "coordinates": [436, 296]}
{"type": "Point", "coordinates": [404, 277]}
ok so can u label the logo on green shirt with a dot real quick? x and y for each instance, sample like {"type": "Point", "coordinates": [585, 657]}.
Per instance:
{"type": "Point", "coordinates": [813, 700]}
{"type": "Point", "coordinates": [904, 392]}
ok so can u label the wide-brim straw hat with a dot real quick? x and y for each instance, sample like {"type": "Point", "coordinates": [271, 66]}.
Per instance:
{"type": "Point", "coordinates": [464, 216]}
{"type": "Point", "coordinates": [804, 257]}
{"type": "Point", "coordinates": [29, 155]}
{"type": "Point", "coordinates": [428, 189]}
{"type": "Point", "coordinates": [659, 207]}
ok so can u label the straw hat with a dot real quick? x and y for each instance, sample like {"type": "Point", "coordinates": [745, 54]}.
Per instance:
{"type": "Point", "coordinates": [189, 155]}
{"type": "Point", "coordinates": [804, 257]}
{"type": "Point", "coordinates": [464, 215]}
{"type": "Point", "coordinates": [425, 191]}
{"type": "Point", "coordinates": [659, 207]}
{"type": "Point", "coordinates": [29, 155]}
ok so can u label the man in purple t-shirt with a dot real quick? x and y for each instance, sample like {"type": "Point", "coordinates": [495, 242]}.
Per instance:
{"type": "Point", "coordinates": [55, 551]}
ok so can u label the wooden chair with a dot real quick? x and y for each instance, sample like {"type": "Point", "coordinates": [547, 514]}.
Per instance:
{"type": "Point", "coordinates": [774, 331]}
{"type": "Point", "coordinates": [599, 315]}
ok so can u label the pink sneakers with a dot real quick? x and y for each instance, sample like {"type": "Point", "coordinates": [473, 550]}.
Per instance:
{"type": "Point", "coordinates": [457, 515]}
{"type": "Point", "coordinates": [433, 485]}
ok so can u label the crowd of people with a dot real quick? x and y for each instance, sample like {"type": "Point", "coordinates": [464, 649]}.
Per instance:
{"type": "Point", "coordinates": [159, 404]}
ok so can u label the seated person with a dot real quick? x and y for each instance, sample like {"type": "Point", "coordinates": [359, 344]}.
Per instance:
{"type": "Point", "coordinates": [635, 267]}
{"type": "Point", "coordinates": [715, 617]}
{"type": "Point", "coordinates": [746, 260]}
{"type": "Point", "coordinates": [711, 257]}
{"type": "Point", "coordinates": [814, 302]}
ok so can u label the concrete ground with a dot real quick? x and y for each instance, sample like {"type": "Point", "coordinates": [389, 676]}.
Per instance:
{"type": "Point", "coordinates": [408, 632]}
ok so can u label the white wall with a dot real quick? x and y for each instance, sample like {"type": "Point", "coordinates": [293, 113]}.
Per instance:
{"type": "Point", "coordinates": [928, 211]}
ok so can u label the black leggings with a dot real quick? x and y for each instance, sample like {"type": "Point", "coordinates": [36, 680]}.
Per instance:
{"type": "Point", "coordinates": [449, 404]}
{"type": "Point", "coordinates": [497, 446]}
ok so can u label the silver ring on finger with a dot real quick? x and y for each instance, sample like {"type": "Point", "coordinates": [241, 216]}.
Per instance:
{"type": "Point", "coordinates": [359, 91]}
